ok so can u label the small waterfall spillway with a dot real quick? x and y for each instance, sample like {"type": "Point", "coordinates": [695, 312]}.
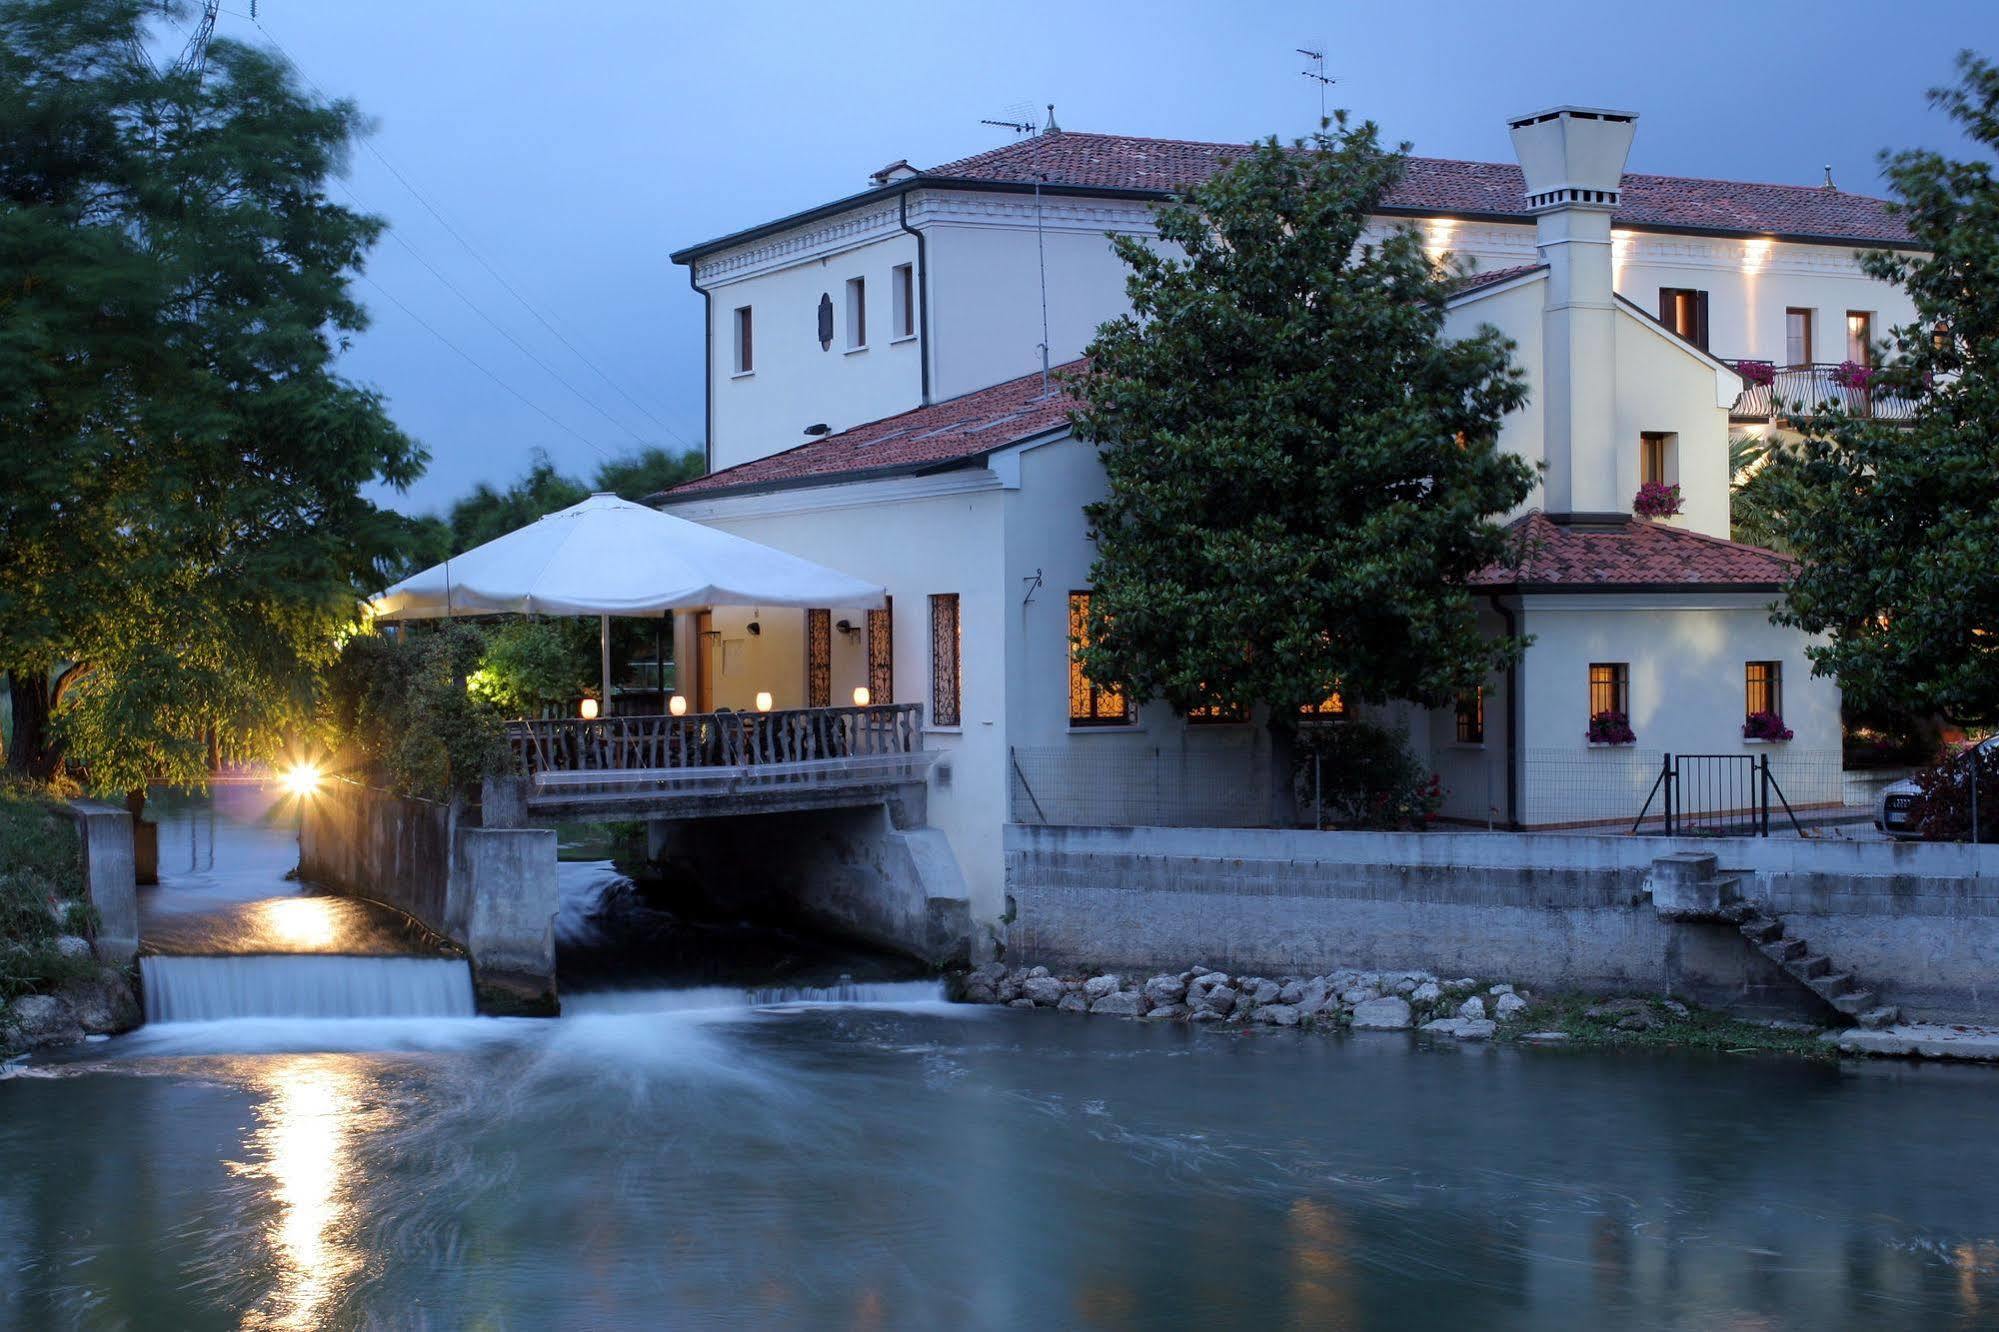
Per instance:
{"type": "Point", "coordinates": [218, 988]}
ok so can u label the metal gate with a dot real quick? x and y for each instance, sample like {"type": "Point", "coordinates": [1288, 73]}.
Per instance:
{"type": "Point", "coordinates": [1716, 795]}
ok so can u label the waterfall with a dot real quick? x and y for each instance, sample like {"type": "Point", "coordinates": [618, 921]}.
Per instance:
{"type": "Point", "coordinates": [304, 985]}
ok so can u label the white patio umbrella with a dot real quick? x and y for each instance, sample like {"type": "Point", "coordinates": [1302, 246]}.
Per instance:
{"type": "Point", "coordinates": [607, 556]}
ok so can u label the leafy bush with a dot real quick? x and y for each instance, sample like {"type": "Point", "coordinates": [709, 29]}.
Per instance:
{"type": "Point", "coordinates": [535, 667]}
{"type": "Point", "coordinates": [41, 890]}
{"type": "Point", "coordinates": [399, 709]}
{"type": "Point", "coordinates": [1655, 500]}
{"type": "Point", "coordinates": [1366, 778]}
{"type": "Point", "coordinates": [1943, 805]}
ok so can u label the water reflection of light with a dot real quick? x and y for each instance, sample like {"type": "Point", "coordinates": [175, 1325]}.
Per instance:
{"type": "Point", "coordinates": [1321, 1285]}
{"type": "Point", "coordinates": [304, 1148]}
{"type": "Point", "coordinates": [297, 922]}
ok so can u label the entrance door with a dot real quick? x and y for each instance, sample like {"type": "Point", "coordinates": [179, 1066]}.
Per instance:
{"type": "Point", "coordinates": [704, 662]}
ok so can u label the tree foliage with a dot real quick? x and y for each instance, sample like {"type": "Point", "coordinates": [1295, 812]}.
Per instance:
{"type": "Point", "coordinates": [1898, 528]}
{"type": "Point", "coordinates": [183, 534]}
{"type": "Point", "coordinates": [398, 708]}
{"type": "Point", "coordinates": [1303, 472]}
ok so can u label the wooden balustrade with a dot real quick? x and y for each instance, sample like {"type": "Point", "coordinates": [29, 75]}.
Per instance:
{"type": "Point", "coordinates": [715, 739]}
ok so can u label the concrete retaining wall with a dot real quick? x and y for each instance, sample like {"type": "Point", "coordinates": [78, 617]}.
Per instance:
{"type": "Point", "coordinates": [492, 891]}
{"type": "Point", "coordinates": [1918, 923]}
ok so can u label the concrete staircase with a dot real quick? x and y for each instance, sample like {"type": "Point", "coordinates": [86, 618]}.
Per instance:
{"type": "Point", "coordinates": [1766, 932]}
{"type": "Point", "coordinates": [1687, 886]}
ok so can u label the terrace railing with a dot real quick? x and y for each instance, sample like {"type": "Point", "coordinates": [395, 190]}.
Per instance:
{"type": "Point", "coordinates": [1797, 392]}
{"type": "Point", "coordinates": [715, 740]}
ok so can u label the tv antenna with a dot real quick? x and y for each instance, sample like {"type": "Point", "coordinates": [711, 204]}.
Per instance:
{"type": "Point", "coordinates": [1015, 118]}
{"type": "Point", "coordinates": [1318, 75]}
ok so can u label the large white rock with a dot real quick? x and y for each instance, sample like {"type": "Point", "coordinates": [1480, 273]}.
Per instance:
{"type": "Point", "coordinates": [1472, 1009]}
{"type": "Point", "coordinates": [1508, 1006]}
{"type": "Point", "coordinates": [1426, 992]}
{"type": "Point", "coordinates": [1388, 1014]}
{"type": "Point", "coordinates": [1165, 990]}
{"type": "Point", "coordinates": [1045, 991]}
{"type": "Point", "coordinates": [1277, 1015]}
{"type": "Point", "coordinates": [1128, 1004]}
{"type": "Point", "coordinates": [1099, 986]}
{"type": "Point", "coordinates": [1477, 1031]}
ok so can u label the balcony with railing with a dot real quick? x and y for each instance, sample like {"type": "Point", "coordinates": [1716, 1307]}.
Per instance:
{"type": "Point", "coordinates": [703, 762]}
{"type": "Point", "coordinates": [1784, 393]}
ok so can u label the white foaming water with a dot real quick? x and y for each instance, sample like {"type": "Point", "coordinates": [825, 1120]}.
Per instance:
{"type": "Point", "coordinates": [314, 985]}
{"type": "Point", "coordinates": [714, 998]}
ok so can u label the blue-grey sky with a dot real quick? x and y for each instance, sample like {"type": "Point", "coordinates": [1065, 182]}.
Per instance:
{"type": "Point", "coordinates": [575, 145]}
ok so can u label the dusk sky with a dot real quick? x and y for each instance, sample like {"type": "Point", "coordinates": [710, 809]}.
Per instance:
{"type": "Point", "coordinates": [574, 146]}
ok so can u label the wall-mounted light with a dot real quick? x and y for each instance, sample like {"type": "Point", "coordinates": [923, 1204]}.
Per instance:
{"type": "Point", "coordinates": [763, 700]}
{"type": "Point", "coordinates": [847, 627]}
{"type": "Point", "coordinates": [588, 709]}
{"type": "Point", "coordinates": [677, 705]}
{"type": "Point", "coordinates": [819, 428]}
{"type": "Point", "coordinates": [755, 627]}
{"type": "Point", "coordinates": [860, 696]}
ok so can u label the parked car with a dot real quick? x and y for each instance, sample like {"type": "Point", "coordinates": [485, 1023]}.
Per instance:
{"type": "Point", "coordinates": [1897, 811]}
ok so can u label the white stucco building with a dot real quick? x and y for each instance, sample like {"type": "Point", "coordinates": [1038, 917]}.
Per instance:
{"type": "Point", "coordinates": [876, 404]}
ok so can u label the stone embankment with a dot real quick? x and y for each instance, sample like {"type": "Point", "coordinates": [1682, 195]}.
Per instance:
{"type": "Point", "coordinates": [1464, 1009]}
{"type": "Point", "coordinates": [99, 1002]}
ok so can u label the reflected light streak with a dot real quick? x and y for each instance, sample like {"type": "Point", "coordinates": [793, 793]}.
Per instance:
{"type": "Point", "coordinates": [302, 923]}
{"type": "Point", "coordinates": [304, 1145]}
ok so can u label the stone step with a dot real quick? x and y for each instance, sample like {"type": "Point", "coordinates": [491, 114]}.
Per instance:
{"type": "Point", "coordinates": [1804, 968]}
{"type": "Point", "coordinates": [1856, 1002]}
{"type": "Point", "coordinates": [1761, 929]}
{"type": "Point", "coordinates": [1783, 950]}
{"type": "Point", "coordinates": [1831, 986]}
{"type": "Point", "coordinates": [1876, 1018]}
{"type": "Point", "coordinates": [1737, 912]}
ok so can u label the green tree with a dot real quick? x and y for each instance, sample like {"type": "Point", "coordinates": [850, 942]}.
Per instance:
{"type": "Point", "coordinates": [1303, 473]}
{"type": "Point", "coordinates": [635, 476]}
{"type": "Point", "coordinates": [487, 513]}
{"type": "Point", "coordinates": [1898, 528]}
{"type": "Point", "coordinates": [183, 536]}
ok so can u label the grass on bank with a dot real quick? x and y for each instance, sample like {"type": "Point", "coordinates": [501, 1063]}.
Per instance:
{"type": "Point", "coordinates": [1696, 1029]}
{"type": "Point", "coordinates": [41, 890]}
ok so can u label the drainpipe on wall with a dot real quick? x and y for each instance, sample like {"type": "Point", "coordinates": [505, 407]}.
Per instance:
{"type": "Point", "coordinates": [1511, 619]}
{"type": "Point", "coordinates": [707, 371]}
{"type": "Point", "coordinates": [922, 293]}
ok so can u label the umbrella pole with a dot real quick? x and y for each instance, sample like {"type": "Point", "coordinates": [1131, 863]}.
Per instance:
{"type": "Point", "coordinates": [604, 648]}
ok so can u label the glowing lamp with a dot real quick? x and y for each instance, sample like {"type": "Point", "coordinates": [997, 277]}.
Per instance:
{"type": "Point", "coordinates": [763, 700]}
{"type": "Point", "coordinates": [677, 706]}
{"type": "Point", "coordinates": [589, 709]}
{"type": "Point", "coordinates": [860, 696]}
{"type": "Point", "coordinates": [301, 779]}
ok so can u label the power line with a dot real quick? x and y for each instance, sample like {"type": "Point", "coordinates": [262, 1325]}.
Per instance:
{"type": "Point", "coordinates": [475, 364]}
{"type": "Point", "coordinates": [491, 271]}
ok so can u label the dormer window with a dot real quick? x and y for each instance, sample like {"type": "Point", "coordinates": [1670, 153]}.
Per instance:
{"type": "Point", "coordinates": [857, 314]}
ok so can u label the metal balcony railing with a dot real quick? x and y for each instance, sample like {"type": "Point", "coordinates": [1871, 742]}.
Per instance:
{"type": "Point", "coordinates": [1780, 393]}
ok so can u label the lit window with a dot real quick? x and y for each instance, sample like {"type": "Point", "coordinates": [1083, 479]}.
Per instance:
{"type": "Point", "coordinates": [1860, 337]}
{"type": "Point", "coordinates": [947, 680]}
{"type": "Point", "coordinates": [1471, 718]}
{"type": "Point", "coordinates": [745, 344]}
{"type": "Point", "coordinates": [902, 293]}
{"type": "Point", "coordinates": [1090, 704]}
{"type": "Point", "coordinates": [1763, 687]}
{"type": "Point", "coordinates": [1797, 337]}
{"type": "Point", "coordinates": [1684, 310]}
{"type": "Point", "coordinates": [857, 313]}
{"type": "Point", "coordinates": [1610, 688]}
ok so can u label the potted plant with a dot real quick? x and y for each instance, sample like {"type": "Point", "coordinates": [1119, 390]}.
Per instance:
{"type": "Point", "coordinates": [1611, 728]}
{"type": "Point", "coordinates": [1756, 374]}
{"type": "Point", "coordinates": [1765, 728]}
{"type": "Point", "coordinates": [1656, 501]}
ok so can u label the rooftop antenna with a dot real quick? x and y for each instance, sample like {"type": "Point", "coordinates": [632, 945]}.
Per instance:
{"type": "Point", "coordinates": [1318, 75]}
{"type": "Point", "coordinates": [1028, 129]}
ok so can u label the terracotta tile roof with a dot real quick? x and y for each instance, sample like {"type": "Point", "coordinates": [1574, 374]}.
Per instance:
{"type": "Point", "coordinates": [918, 440]}
{"type": "Point", "coordinates": [1471, 282]}
{"type": "Point", "coordinates": [1633, 554]}
{"type": "Point", "coordinates": [1441, 185]}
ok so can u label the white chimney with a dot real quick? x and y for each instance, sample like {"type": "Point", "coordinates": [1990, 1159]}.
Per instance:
{"type": "Point", "coordinates": [1573, 160]}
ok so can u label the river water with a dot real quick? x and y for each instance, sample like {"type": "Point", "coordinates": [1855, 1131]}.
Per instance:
{"type": "Point", "coordinates": [870, 1157]}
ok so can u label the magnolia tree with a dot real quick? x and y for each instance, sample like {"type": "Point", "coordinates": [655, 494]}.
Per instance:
{"type": "Point", "coordinates": [1897, 528]}
{"type": "Point", "coordinates": [1303, 473]}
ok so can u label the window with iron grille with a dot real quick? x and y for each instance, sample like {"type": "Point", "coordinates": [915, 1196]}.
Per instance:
{"type": "Point", "coordinates": [1471, 718]}
{"type": "Point", "coordinates": [1610, 688]}
{"type": "Point", "coordinates": [947, 678]}
{"type": "Point", "coordinates": [1090, 704]}
{"type": "Point", "coordinates": [819, 659]}
{"type": "Point", "coordinates": [881, 655]}
{"type": "Point", "coordinates": [1763, 687]}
